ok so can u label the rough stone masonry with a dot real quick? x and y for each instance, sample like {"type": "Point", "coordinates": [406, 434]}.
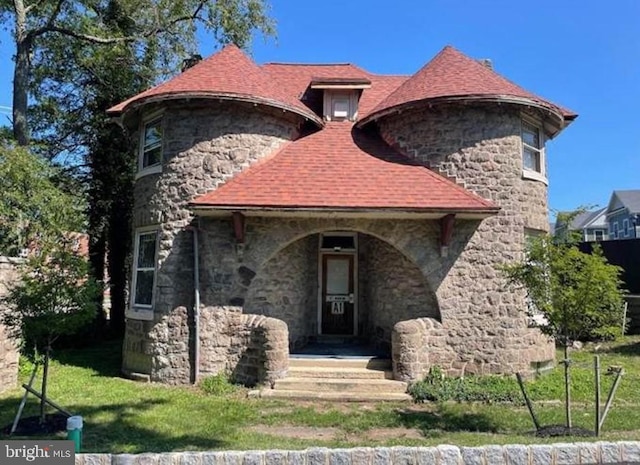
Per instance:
{"type": "Point", "coordinates": [619, 453]}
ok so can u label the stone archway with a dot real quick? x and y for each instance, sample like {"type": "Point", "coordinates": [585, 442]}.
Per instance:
{"type": "Point", "coordinates": [390, 287]}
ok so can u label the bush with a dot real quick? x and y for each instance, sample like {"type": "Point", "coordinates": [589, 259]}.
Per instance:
{"type": "Point", "coordinates": [436, 387]}
{"type": "Point", "coordinates": [218, 385]}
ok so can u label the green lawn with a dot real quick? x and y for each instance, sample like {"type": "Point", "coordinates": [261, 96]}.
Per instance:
{"type": "Point", "coordinates": [125, 416]}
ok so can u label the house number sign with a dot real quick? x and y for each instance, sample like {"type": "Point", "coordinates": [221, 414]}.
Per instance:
{"type": "Point", "coordinates": [337, 308]}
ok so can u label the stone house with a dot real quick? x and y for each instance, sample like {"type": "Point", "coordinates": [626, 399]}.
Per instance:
{"type": "Point", "coordinates": [284, 204]}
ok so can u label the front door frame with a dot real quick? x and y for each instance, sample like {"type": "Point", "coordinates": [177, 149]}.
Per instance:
{"type": "Point", "coordinates": [354, 252]}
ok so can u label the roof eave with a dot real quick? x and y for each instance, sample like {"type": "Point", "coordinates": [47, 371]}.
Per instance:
{"type": "Point", "coordinates": [137, 103]}
{"type": "Point", "coordinates": [560, 118]}
{"type": "Point", "coordinates": [344, 212]}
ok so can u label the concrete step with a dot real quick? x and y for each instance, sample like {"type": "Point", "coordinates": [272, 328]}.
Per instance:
{"type": "Point", "coordinates": [339, 372]}
{"type": "Point", "coordinates": [339, 385]}
{"type": "Point", "coordinates": [331, 396]}
{"type": "Point", "coordinates": [373, 363]}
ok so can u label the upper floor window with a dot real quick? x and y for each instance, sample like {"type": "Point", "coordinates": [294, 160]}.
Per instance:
{"type": "Point", "coordinates": [151, 146]}
{"type": "Point", "coordinates": [625, 227]}
{"type": "Point", "coordinates": [532, 148]}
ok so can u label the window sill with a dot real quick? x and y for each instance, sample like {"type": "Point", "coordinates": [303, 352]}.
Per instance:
{"type": "Point", "coordinates": [155, 169]}
{"type": "Point", "coordinates": [535, 176]}
{"type": "Point", "coordinates": [139, 313]}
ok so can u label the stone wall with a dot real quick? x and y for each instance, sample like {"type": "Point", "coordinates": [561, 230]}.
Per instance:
{"type": "Point", "coordinates": [480, 148]}
{"type": "Point", "coordinates": [612, 453]}
{"type": "Point", "coordinates": [8, 346]}
{"type": "Point", "coordinates": [203, 146]}
{"type": "Point", "coordinates": [283, 289]}
{"type": "Point", "coordinates": [395, 290]}
{"type": "Point", "coordinates": [253, 349]}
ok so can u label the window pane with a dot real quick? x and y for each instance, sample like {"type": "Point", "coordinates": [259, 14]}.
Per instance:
{"type": "Point", "coordinates": [599, 235]}
{"type": "Point", "coordinates": [341, 108]}
{"type": "Point", "coordinates": [531, 160]}
{"type": "Point", "coordinates": [531, 135]}
{"type": "Point", "coordinates": [152, 133]}
{"type": "Point", "coordinates": [152, 157]}
{"type": "Point", "coordinates": [147, 250]}
{"type": "Point", "coordinates": [144, 287]}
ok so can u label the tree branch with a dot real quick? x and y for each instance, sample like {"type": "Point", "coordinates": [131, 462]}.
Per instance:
{"type": "Point", "coordinates": [159, 29]}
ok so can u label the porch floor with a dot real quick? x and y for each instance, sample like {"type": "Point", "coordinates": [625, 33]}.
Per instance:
{"type": "Point", "coordinates": [338, 350]}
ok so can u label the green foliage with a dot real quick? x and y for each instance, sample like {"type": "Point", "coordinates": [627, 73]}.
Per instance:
{"type": "Point", "coordinates": [578, 295]}
{"type": "Point", "coordinates": [436, 387]}
{"type": "Point", "coordinates": [33, 210]}
{"type": "Point", "coordinates": [54, 298]}
{"type": "Point", "coordinates": [218, 385]}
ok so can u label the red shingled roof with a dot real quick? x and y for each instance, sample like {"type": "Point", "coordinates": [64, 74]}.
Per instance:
{"type": "Point", "coordinates": [226, 74]}
{"type": "Point", "coordinates": [453, 74]}
{"type": "Point", "coordinates": [296, 78]}
{"type": "Point", "coordinates": [341, 167]}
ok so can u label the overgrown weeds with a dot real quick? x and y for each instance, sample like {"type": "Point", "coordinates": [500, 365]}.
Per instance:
{"type": "Point", "coordinates": [436, 387]}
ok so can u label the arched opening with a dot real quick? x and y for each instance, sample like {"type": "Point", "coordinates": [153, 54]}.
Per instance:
{"type": "Point", "coordinates": [340, 286]}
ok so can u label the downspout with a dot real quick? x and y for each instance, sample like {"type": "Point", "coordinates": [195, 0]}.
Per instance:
{"type": "Point", "coordinates": [196, 304]}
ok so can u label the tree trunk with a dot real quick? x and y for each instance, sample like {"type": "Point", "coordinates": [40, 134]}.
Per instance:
{"type": "Point", "coordinates": [119, 246]}
{"type": "Point", "coordinates": [97, 248]}
{"type": "Point", "coordinates": [567, 385]}
{"type": "Point", "coordinates": [21, 72]}
{"type": "Point", "coordinates": [45, 375]}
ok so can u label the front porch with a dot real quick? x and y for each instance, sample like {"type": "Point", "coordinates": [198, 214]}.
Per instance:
{"type": "Point", "coordinates": [341, 289]}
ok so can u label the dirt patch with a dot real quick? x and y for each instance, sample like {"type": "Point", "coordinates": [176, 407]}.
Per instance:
{"type": "Point", "coordinates": [31, 426]}
{"type": "Point", "coordinates": [297, 432]}
{"type": "Point", "coordinates": [328, 434]}
{"type": "Point", "coordinates": [383, 434]}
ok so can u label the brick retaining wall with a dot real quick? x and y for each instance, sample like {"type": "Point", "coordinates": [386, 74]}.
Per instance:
{"type": "Point", "coordinates": [551, 454]}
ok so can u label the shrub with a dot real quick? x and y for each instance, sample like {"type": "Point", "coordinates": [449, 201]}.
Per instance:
{"type": "Point", "coordinates": [218, 385]}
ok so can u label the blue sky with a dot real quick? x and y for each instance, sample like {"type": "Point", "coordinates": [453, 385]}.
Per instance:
{"type": "Point", "coordinates": [582, 54]}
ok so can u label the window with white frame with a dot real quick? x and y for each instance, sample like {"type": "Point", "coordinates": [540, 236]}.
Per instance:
{"type": "Point", "coordinates": [615, 230]}
{"type": "Point", "coordinates": [144, 268]}
{"type": "Point", "coordinates": [532, 148]}
{"type": "Point", "coordinates": [151, 144]}
{"type": "Point", "coordinates": [599, 235]}
{"type": "Point", "coordinates": [625, 227]}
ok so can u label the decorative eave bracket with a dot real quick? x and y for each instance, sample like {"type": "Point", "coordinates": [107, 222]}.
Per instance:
{"type": "Point", "coordinates": [446, 233]}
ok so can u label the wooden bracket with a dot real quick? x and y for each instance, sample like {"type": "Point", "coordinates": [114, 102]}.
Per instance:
{"type": "Point", "coordinates": [238, 227]}
{"type": "Point", "coordinates": [446, 233]}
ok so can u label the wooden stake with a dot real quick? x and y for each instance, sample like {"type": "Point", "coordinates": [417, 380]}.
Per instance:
{"type": "Point", "coordinates": [596, 360]}
{"type": "Point", "coordinates": [23, 401]}
{"type": "Point", "coordinates": [528, 402]}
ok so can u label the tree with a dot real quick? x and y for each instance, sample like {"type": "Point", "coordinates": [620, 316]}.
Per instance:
{"type": "Point", "coordinates": [76, 59]}
{"type": "Point", "coordinates": [33, 209]}
{"type": "Point", "coordinates": [54, 298]}
{"type": "Point", "coordinates": [168, 23]}
{"type": "Point", "coordinates": [571, 295]}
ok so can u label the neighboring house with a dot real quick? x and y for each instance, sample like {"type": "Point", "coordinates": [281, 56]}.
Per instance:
{"type": "Point", "coordinates": [326, 201]}
{"type": "Point", "coordinates": [592, 225]}
{"type": "Point", "coordinates": [623, 214]}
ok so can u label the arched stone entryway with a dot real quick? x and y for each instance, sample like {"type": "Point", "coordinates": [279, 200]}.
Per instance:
{"type": "Point", "coordinates": [387, 287]}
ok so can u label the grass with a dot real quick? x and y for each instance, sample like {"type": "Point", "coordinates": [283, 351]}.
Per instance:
{"type": "Point", "coordinates": [125, 416]}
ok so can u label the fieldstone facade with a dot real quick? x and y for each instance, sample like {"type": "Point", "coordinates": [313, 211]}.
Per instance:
{"type": "Point", "coordinates": [259, 283]}
{"type": "Point", "coordinates": [8, 346]}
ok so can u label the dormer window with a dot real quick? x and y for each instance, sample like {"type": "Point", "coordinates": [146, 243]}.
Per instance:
{"type": "Point", "coordinates": [341, 96]}
{"type": "Point", "coordinates": [340, 107]}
